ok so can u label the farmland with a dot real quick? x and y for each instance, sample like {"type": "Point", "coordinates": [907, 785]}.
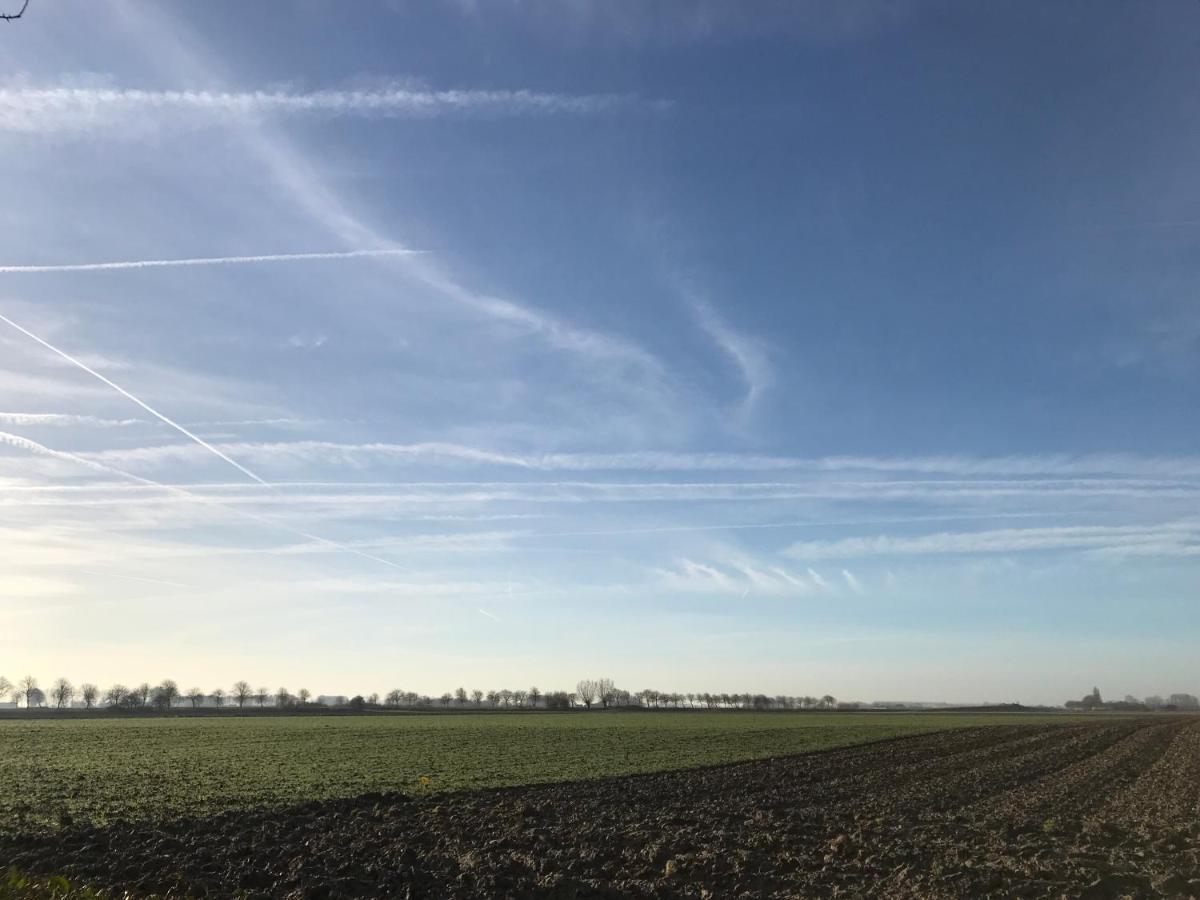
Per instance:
{"type": "Point", "coordinates": [1100, 807]}
{"type": "Point", "coordinates": [100, 769]}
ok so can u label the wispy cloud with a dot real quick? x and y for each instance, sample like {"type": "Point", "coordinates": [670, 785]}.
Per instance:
{"type": "Point", "coordinates": [204, 261]}
{"type": "Point", "coordinates": [749, 354]}
{"type": "Point", "coordinates": [32, 108]}
{"type": "Point", "coordinates": [701, 21]}
{"type": "Point", "coordinates": [737, 575]}
{"type": "Point", "coordinates": [1151, 539]}
{"type": "Point", "coordinates": [63, 419]}
{"type": "Point", "coordinates": [127, 395]}
{"type": "Point", "coordinates": [853, 582]}
{"type": "Point", "coordinates": [34, 447]}
{"type": "Point", "coordinates": [818, 580]}
{"type": "Point", "coordinates": [1006, 469]}
{"type": "Point", "coordinates": [137, 578]}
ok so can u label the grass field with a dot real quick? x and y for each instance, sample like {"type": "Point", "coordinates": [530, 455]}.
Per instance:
{"type": "Point", "coordinates": [104, 769]}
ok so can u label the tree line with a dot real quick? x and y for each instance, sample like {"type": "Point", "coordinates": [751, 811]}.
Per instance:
{"type": "Point", "coordinates": [1179, 701]}
{"type": "Point", "coordinates": [600, 693]}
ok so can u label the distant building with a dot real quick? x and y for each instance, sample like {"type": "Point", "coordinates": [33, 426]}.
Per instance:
{"type": "Point", "coordinates": [333, 700]}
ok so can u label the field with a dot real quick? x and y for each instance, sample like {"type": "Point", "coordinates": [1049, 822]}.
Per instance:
{"type": "Point", "coordinates": [103, 769]}
{"type": "Point", "coordinates": [1098, 807]}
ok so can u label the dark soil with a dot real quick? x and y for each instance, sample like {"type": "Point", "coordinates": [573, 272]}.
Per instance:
{"type": "Point", "coordinates": [1090, 810]}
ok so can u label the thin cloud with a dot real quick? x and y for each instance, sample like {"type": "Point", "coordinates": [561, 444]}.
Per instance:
{"type": "Point", "coordinates": [32, 109]}
{"type": "Point", "coordinates": [1004, 540]}
{"type": "Point", "coordinates": [204, 261]}
{"type": "Point", "coordinates": [157, 581]}
{"type": "Point", "coordinates": [1004, 469]}
{"type": "Point", "coordinates": [736, 575]}
{"type": "Point", "coordinates": [124, 393]}
{"type": "Point", "coordinates": [34, 447]}
{"type": "Point", "coordinates": [819, 581]}
{"type": "Point", "coordinates": [297, 177]}
{"type": "Point", "coordinates": [852, 581]}
{"type": "Point", "coordinates": [62, 419]}
{"type": "Point", "coordinates": [746, 352]}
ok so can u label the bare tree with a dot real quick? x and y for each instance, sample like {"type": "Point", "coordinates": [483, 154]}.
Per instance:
{"type": "Point", "coordinates": [282, 698]}
{"type": "Point", "coordinates": [585, 690]}
{"type": "Point", "coordinates": [394, 697]}
{"type": "Point", "coordinates": [88, 692]}
{"type": "Point", "coordinates": [142, 694]}
{"type": "Point", "coordinates": [477, 696]}
{"type": "Point", "coordinates": [260, 697]}
{"type": "Point", "coordinates": [62, 693]}
{"type": "Point", "coordinates": [534, 696]}
{"type": "Point", "coordinates": [460, 696]}
{"type": "Point", "coordinates": [605, 690]}
{"type": "Point", "coordinates": [196, 696]}
{"type": "Point", "coordinates": [302, 695]}
{"type": "Point", "coordinates": [116, 695]}
{"type": "Point", "coordinates": [829, 701]}
{"type": "Point", "coordinates": [166, 694]}
{"type": "Point", "coordinates": [29, 686]}
{"type": "Point", "coordinates": [241, 693]}
{"type": "Point", "coordinates": [446, 698]}
{"type": "Point", "coordinates": [5, 686]}
{"type": "Point", "coordinates": [218, 696]}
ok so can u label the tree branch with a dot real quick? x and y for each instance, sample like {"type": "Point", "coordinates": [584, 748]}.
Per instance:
{"type": "Point", "coordinates": [8, 17]}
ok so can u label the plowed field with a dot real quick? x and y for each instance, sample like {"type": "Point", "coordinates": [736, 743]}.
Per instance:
{"type": "Point", "coordinates": [1093, 810]}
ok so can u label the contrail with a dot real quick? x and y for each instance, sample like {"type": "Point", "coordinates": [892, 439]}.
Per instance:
{"type": "Point", "coordinates": [484, 612]}
{"type": "Point", "coordinates": [173, 584]}
{"type": "Point", "coordinates": [29, 444]}
{"type": "Point", "coordinates": [146, 406]}
{"type": "Point", "coordinates": [740, 526]}
{"type": "Point", "coordinates": [14, 440]}
{"type": "Point", "coordinates": [204, 261]}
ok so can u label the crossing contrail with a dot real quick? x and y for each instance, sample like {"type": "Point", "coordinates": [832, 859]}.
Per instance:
{"type": "Point", "coordinates": [8, 438]}
{"type": "Point", "coordinates": [15, 440]}
{"type": "Point", "coordinates": [204, 261]}
{"type": "Point", "coordinates": [146, 406]}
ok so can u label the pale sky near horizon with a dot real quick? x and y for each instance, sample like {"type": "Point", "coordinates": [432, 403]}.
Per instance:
{"type": "Point", "coordinates": [821, 347]}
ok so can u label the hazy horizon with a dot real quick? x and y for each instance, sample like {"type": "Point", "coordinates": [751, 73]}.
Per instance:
{"type": "Point", "coordinates": [845, 348]}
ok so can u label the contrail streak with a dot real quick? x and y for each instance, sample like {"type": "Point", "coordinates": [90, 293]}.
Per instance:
{"type": "Point", "coordinates": [204, 261]}
{"type": "Point", "coordinates": [203, 443]}
{"type": "Point", "coordinates": [173, 584]}
{"type": "Point", "coordinates": [146, 406]}
{"type": "Point", "coordinates": [14, 440]}
{"type": "Point", "coordinates": [902, 520]}
{"type": "Point", "coordinates": [484, 612]}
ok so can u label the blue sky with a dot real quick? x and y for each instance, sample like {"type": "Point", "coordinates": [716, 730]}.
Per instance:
{"type": "Point", "coordinates": [825, 347]}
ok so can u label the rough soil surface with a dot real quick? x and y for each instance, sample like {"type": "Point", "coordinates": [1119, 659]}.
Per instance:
{"type": "Point", "coordinates": [1090, 810]}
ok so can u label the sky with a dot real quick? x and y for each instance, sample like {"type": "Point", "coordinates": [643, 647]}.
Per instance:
{"type": "Point", "coordinates": [801, 348]}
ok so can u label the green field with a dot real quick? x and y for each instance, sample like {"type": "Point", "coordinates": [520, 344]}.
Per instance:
{"type": "Point", "coordinates": [102, 769]}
